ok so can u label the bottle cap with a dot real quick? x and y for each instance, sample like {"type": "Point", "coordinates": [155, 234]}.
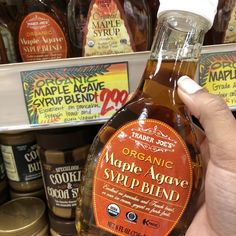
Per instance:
{"type": "Point", "coordinates": [204, 8]}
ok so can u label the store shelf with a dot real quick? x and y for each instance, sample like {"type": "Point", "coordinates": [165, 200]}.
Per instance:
{"type": "Point", "coordinates": [14, 115]}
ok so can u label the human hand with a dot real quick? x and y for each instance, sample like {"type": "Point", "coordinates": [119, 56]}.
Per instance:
{"type": "Point", "coordinates": [217, 216]}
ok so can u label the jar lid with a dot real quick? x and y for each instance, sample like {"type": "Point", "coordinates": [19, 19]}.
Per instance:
{"type": "Point", "coordinates": [22, 216]}
{"type": "Point", "coordinates": [204, 8]}
{"type": "Point", "coordinates": [62, 226]}
{"type": "Point", "coordinates": [17, 138]}
{"type": "Point", "coordinates": [63, 138]}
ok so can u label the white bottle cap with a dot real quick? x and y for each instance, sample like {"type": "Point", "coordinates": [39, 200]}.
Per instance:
{"type": "Point", "coordinates": [204, 8]}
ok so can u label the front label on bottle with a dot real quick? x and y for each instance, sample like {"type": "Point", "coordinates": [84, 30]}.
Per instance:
{"type": "Point", "coordinates": [61, 184]}
{"type": "Point", "coordinates": [41, 38]}
{"type": "Point", "coordinates": [230, 34]}
{"type": "Point", "coordinates": [21, 162]}
{"type": "Point", "coordinates": [143, 180]}
{"type": "Point", "coordinates": [107, 30]}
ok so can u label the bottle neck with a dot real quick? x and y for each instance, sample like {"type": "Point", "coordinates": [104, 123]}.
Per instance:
{"type": "Point", "coordinates": [175, 52]}
{"type": "Point", "coordinates": [179, 36]}
{"type": "Point", "coordinates": [38, 5]}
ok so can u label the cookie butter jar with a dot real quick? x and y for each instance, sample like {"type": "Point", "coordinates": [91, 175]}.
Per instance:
{"type": "Point", "coordinates": [19, 151]}
{"type": "Point", "coordinates": [63, 153]}
{"type": "Point", "coordinates": [23, 217]}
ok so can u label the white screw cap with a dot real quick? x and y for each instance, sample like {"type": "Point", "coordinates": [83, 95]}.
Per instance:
{"type": "Point", "coordinates": [204, 8]}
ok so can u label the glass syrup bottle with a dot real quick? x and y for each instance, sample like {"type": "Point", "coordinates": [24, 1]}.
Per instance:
{"type": "Point", "coordinates": [7, 27]}
{"type": "Point", "coordinates": [224, 27]}
{"type": "Point", "coordinates": [109, 26]}
{"type": "Point", "coordinates": [144, 172]}
{"type": "Point", "coordinates": [42, 32]}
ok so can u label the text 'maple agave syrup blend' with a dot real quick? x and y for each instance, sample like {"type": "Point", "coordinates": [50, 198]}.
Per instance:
{"type": "Point", "coordinates": [144, 173]}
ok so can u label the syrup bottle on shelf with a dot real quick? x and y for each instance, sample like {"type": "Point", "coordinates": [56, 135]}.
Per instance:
{"type": "Point", "coordinates": [224, 27]}
{"type": "Point", "coordinates": [7, 46]}
{"type": "Point", "coordinates": [109, 26]}
{"type": "Point", "coordinates": [42, 32]}
{"type": "Point", "coordinates": [154, 5]}
{"type": "Point", "coordinates": [3, 54]}
{"type": "Point", "coordinates": [144, 172]}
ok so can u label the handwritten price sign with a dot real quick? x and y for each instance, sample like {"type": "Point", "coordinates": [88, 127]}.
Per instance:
{"type": "Point", "coordinates": [112, 100]}
{"type": "Point", "coordinates": [75, 93]}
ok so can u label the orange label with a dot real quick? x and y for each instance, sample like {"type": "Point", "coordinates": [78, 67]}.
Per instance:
{"type": "Point", "coordinates": [143, 180]}
{"type": "Point", "coordinates": [41, 38]}
{"type": "Point", "coordinates": [107, 30]}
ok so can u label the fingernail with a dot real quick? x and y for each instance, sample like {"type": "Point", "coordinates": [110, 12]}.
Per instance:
{"type": "Point", "coordinates": [188, 85]}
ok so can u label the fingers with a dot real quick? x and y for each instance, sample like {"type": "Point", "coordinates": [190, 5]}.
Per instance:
{"type": "Point", "coordinates": [215, 117]}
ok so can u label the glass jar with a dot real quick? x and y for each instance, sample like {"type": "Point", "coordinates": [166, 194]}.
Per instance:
{"type": "Point", "coordinates": [61, 227]}
{"type": "Point", "coordinates": [21, 161]}
{"type": "Point", "coordinates": [3, 182]}
{"type": "Point", "coordinates": [23, 217]}
{"type": "Point", "coordinates": [63, 153]}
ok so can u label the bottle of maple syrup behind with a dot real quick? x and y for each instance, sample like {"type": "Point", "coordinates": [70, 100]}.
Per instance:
{"type": "Point", "coordinates": [144, 173]}
{"type": "Point", "coordinates": [7, 30]}
{"type": "Point", "coordinates": [42, 32]}
{"type": "Point", "coordinates": [224, 26]}
{"type": "Point", "coordinates": [103, 27]}
{"type": "Point", "coordinates": [154, 5]}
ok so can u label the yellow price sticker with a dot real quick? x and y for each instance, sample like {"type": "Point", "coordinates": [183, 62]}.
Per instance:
{"type": "Point", "coordinates": [217, 73]}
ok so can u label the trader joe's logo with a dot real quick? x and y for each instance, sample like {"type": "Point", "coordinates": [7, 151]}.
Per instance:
{"type": "Point", "coordinates": [75, 93]}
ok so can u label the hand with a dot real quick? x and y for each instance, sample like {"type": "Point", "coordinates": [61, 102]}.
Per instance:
{"type": "Point", "coordinates": [217, 216]}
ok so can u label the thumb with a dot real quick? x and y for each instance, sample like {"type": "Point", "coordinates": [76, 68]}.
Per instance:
{"type": "Point", "coordinates": [214, 115]}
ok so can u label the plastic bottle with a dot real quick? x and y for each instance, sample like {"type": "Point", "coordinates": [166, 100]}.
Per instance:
{"type": "Point", "coordinates": [144, 172]}
{"type": "Point", "coordinates": [42, 31]}
{"type": "Point", "coordinates": [109, 26]}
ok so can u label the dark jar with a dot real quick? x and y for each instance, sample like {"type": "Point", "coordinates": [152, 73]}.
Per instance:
{"type": "Point", "coordinates": [63, 153]}
{"type": "Point", "coordinates": [61, 227]}
{"type": "Point", "coordinates": [3, 182]}
{"type": "Point", "coordinates": [21, 161]}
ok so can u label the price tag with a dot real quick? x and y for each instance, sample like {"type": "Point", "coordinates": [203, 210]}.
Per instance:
{"type": "Point", "coordinates": [72, 94]}
{"type": "Point", "coordinates": [217, 73]}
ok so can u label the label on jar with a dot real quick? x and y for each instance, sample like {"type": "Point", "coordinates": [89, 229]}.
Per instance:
{"type": "Point", "coordinates": [21, 162]}
{"type": "Point", "coordinates": [41, 38]}
{"type": "Point", "coordinates": [143, 180]}
{"type": "Point", "coordinates": [61, 184]}
{"type": "Point", "coordinates": [107, 31]}
{"type": "Point", "coordinates": [230, 34]}
{"type": "Point", "coordinates": [2, 168]}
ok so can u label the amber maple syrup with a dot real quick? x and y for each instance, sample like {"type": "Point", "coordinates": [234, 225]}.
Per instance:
{"type": "Point", "coordinates": [144, 173]}
{"type": "Point", "coordinates": [153, 100]}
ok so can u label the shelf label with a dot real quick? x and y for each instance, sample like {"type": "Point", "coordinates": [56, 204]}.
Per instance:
{"type": "Point", "coordinates": [72, 94]}
{"type": "Point", "coordinates": [217, 73]}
